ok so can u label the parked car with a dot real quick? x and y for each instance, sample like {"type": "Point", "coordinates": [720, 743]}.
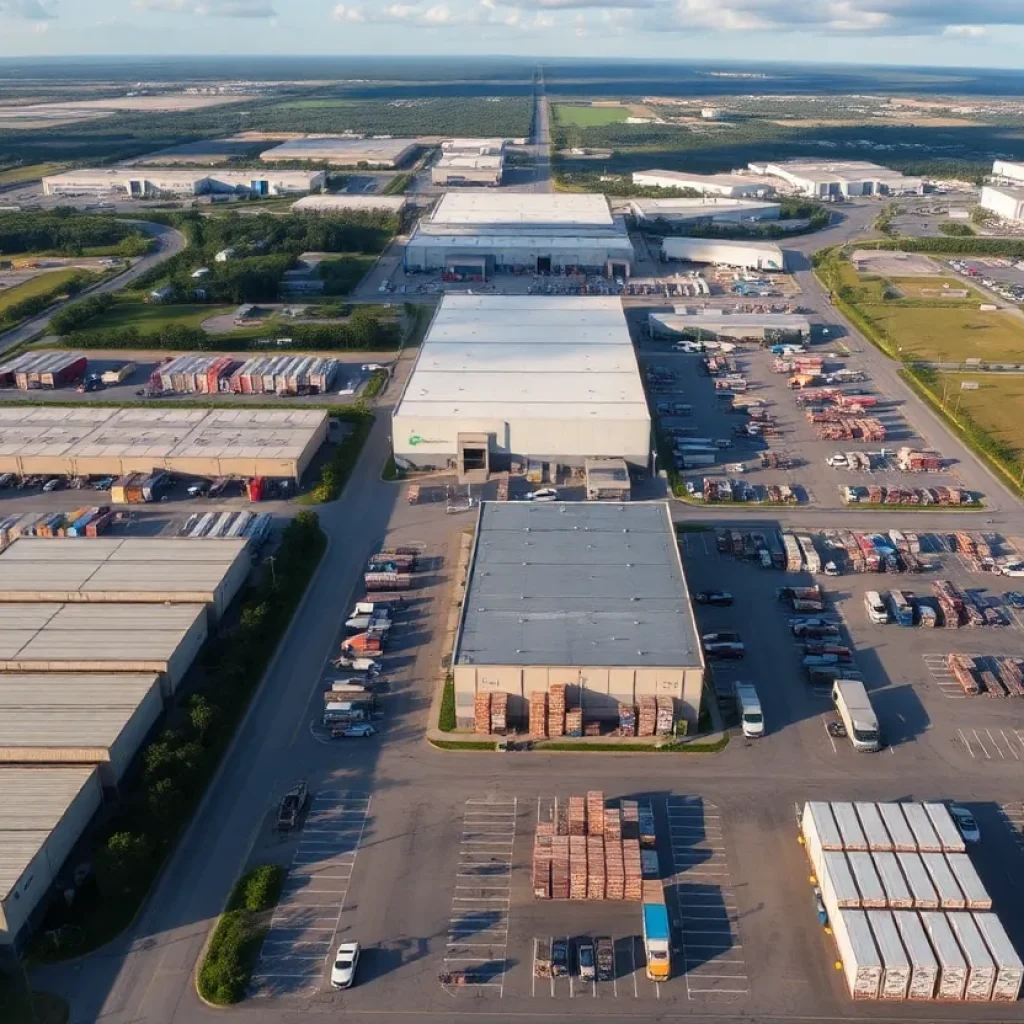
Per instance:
{"type": "Point", "coordinates": [559, 958]}
{"type": "Point", "coordinates": [52, 484]}
{"type": "Point", "coordinates": [965, 823]}
{"type": "Point", "coordinates": [585, 955]}
{"type": "Point", "coordinates": [343, 973]}
{"type": "Point", "coordinates": [719, 598]}
{"type": "Point", "coordinates": [359, 731]}
{"type": "Point", "coordinates": [544, 494]}
{"type": "Point", "coordinates": [1015, 598]}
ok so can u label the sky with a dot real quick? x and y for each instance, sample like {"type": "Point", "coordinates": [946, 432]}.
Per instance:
{"type": "Point", "coordinates": [968, 33]}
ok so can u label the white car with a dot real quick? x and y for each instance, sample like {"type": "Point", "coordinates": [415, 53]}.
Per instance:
{"type": "Point", "coordinates": [359, 731]}
{"type": "Point", "coordinates": [837, 460]}
{"type": "Point", "coordinates": [544, 494]}
{"type": "Point", "coordinates": [343, 973]}
{"type": "Point", "coordinates": [1014, 569]}
{"type": "Point", "coordinates": [965, 823]}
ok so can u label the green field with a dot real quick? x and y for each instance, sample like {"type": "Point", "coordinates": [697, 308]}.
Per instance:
{"type": "Point", "coordinates": [997, 406]}
{"type": "Point", "coordinates": [27, 172]}
{"type": "Point", "coordinates": [150, 318]}
{"type": "Point", "coordinates": [588, 117]}
{"type": "Point", "coordinates": [36, 286]}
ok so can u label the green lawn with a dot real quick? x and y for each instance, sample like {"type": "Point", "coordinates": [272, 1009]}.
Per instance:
{"type": "Point", "coordinates": [930, 289]}
{"type": "Point", "coordinates": [36, 286]}
{"type": "Point", "coordinates": [29, 172]}
{"type": "Point", "coordinates": [150, 318]}
{"type": "Point", "coordinates": [997, 406]}
{"type": "Point", "coordinates": [589, 117]}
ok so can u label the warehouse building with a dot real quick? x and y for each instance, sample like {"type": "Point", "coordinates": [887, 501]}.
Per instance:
{"type": "Point", "coordinates": [344, 151]}
{"type": "Point", "coordinates": [587, 594]}
{"type": "Point", "coordinates": [344, 202]}
{"type": "Point", "coordinates": [152, 182]}
{"type": "Point", "coordinates": [125, 570]}
{"type": "Point", "coordinates": [1009, 169]}
{"type": "Point", "coordinates": [824, 179]}
{"type": "Point", "coordinates": [469, 162]}
{"type": "Point", "coordinates": [151, 638]}
{"type": "Point", "coordinates": [93, 441]}
{"type": "Point", "coordinates": [744, 255]}
{"type": "Point", "coordinates": [1007, 201]}
{"type": "Point", "coordinates": [63, 718]}
{"type": "Point", "coordinates": [523, 379]}
{"type": "Point", "coordinates": [710, 209]}
{"type": "Point", "coordinates": [720, 325]}
{"type": "Point", "coordinates": [472, 235]}
{"type": "Point", "coordinates": [33, 371]}
{"type": "Point", "coordinates": [43, 813]}
{"type": "Point", "coordinates": [735, 185]}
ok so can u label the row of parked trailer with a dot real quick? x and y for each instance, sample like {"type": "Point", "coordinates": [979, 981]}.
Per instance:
{"type": "Point", "coordinates": [228, 524]}
{"type": "Point", "coordinates": [910, 915]}
{"type": "Point", "coordinates": [81, 522]}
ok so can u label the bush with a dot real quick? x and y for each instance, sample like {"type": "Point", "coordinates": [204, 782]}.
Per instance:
{"type": "Point", "coordinates": [335, 472]}
{"type": "Point", "coordinates": [262, 887]}
{"type": "Point", "coordinates": [78, 314]}
{"type": "Point", "coordinates": [956, 229]}
{"type": "Point", "coordinates": [446, 720]}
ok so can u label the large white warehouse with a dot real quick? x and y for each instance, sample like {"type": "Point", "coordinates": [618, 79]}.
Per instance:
{"type": "Point", "coordinates": [469, 162]}
{"type": "Point", "coordinates": [145, 183]}
{"type": "Point", "coordinates": [1008, 169]}
{"type": "Point", "coordinates": [745, 255]}
{"type": "Point", "coordinates": [343, 151]}
{"type": "Point", "coordinates": [470, 235]}
{"type": "Point", "coordinates": [716, 209]}
{"type": "Point", "coordinates": [1005, 200]}
{"type": "Point", "coordinates": [735, 185]}
{"type": "Point", "coordinates": [522, 378]}
{"type": "Point", "coordinates": [822, 179]}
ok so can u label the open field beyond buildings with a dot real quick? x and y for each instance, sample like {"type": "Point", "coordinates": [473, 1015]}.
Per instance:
{"type": "Point", "coordinates": [149, 319]}
{"type": "Point", "coordinates": [997, 405]}
{"type": "Point", "coordinates": [588, 117]}
{"type": "Point", "coordinates": [27, 172]}
{"type": "Point", "coordinates": [36, 286]}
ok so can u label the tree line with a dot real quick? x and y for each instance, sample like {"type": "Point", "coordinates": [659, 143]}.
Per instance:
{"type": "Point", "coordinates": [67, 232]}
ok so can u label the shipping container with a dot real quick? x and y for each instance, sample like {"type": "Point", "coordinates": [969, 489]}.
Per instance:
{"type": "Point", "coordinates": [874, 828]}
{"type": "Point", "coordinates": [835, 879]}
{"type": "Point", "coordinates": [981, 968]}
{"type": "Point", "coordinates": [872, 893]}
{"type": "Point", "coordinates": [1009, 969]}
{"type": "Point", "coordinates": [862, 965]}
{"type": "Point", "coordinates": [970, 883]}
{"type": "Point", "coordinates": [820, 831]}
{"type": "Point", "coordinates": [952, 965]}
{"type": "Point", "coordinates": [924, 968]}
{"type": "Point", "coordinates": [950, 895]}
{"type": "Point", "coordinates": [897, 827]}
{"type": "Point", "coordinates": [849, 826]}
{"type": "Point", "coordinates": [897, 894]}
{"type": "Point", "coordinates": [918, 880]}
{"type": "Point", "coordinates": [921, 825]}
{"type": "Point", "coordinates": [945, 828]}
{"type": "Point", "coordinates": [895, 962]}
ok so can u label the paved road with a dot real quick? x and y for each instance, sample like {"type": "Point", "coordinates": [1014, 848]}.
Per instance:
{"type": "Point", "coordinates": [540, 137]}
{"type": "Point", "coordinates": [168, 241]}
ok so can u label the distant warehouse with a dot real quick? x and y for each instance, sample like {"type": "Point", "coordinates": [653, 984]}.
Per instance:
{"type": "Point", "coordinates": [344, 151]}
{"type": "Point", "coordinates": [94, 441]}
{"type": "Point", "coordinates": [542, 379]}
{"type": "Point", "coordinates": [344, 202]}
{"type": "Point", "coordinates": [588, 595]}
{"type": "Point", "coordinates": [469, 162]}
{"type": "Point", "coordinates": [718, 325]}
{"type": "Point", "coordinates": [823, 179]}
{"type": "Point", "coordinates": [715, 209]}
{"type": "Point", "coordinates": [152, 182]}
{"type": "Point", "coordinates": [472, 235]}
{"type": "Point", "coordinates": [744, 255]}
{"type": "Point", "coordinates": [1012, 170]}
{"type": "Point", "coordinates": [1007, 201]}
{"type": "Point", "coordinates": [707, 184]}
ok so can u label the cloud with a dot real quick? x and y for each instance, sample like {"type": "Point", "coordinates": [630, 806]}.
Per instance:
{"type": "Point", "coordinates": [482, 13]}
{"type": "Point", "coordinates": [30, 10]}
{"type": "Point", "coordinates": [970, 31]}
{"type": "Point", "coordinates": [210, 8]}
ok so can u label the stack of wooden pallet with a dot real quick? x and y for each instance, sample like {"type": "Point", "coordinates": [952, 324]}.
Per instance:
{"type": "Point", "coordinates": [538, 713]}
{"type": "Point", "coordinates": [666, 717]}
{"type": "Point", "coordinates": [542, 856]}
{"type": "Point", "coordinates": [482, 713]}
{"type": "Point", "coordinates": [560, 867]}
{"type": "Point", "coordinates": [595, 868]}
{"type": "Point", "coordinates": [1011, 676]}
{"type": "Point", "coordinates": [614, 868]}
{"type": "Point", "coordinates": [630, 820]}
{"type": "Point", "coordinates": [561, 817]}
{"type": "Point", "coordinates": [595, 812]}
{"type": "Point", "coordinates": [574, 722]}
{"type": "Point", "coordinates": [577, 816]}
{"type": "Point", "coordinates": [627, 720]}
{"type": "Point", "coordinates": [648, 717]}
{"type": "Point", "coordinates": [499, 712]}
{"type": "Point", "coordinates": [634, 876]}
{"type": "Point", "coordinates": [577, 867]}
{"type": "Point", "coordinates": [556, 710]}
{"type": "Point", "coordinates": [613, 823]}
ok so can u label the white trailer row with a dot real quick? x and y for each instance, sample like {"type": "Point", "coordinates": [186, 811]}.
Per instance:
{"type": "Point", "coordinates": [812, 560]}
{"type": "Point", "coordinates": [229, 524]}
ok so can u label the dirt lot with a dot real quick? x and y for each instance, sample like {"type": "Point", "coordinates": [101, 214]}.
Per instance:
{"type": "Point", "coordinates": [893, 264]}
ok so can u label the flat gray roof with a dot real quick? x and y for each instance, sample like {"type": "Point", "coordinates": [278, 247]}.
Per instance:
{"type": "Point", "coordinates": [577, 584]}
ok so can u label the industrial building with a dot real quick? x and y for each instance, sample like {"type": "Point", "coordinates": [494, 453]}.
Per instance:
{"type": "Point", "coordinates": [720, 325]}
{"type": "Point", "coordinates": [745, 255]}
{"type": "Point", "coordinates": [1005, 200]}
{"type": "Point", "coordinates": [52, 718]}
{"type": "Point", "coordinates": [43, 813]}
{"type": "Point", "coordinates": [587, 594]}
{"type": "Point", "coordinates": [124, 570]}
{"type": "Point", "coordinates": [33, 371]}
{"type": "Point", "coordinates": [94, 441]}
{"type": "Point", "coordinates": [471, 235]}
{"type": "Point", "coordinates": [469, 162]}
{"type": "Point", "coordinates": [346, 202]}
{"type": "Point", "coordinates": [735, 185]}
{"type": "Point", "coordinates": [1009, 169]}
{"type": "Point", "coordinates": [824, 179]}
{"type": "Point", "coordinates": [711, 209]}
{"type": "Point", "coordinates": [344, 151]}
{"type": "Point", "coordinates": [523, 379]}
{"type": "Point", "coordinates": [151, 182]}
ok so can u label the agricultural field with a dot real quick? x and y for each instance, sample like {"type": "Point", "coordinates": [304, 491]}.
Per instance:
{"type": "Point", "coordinates": [27, 172]}
{"type": "Point", "coordinates": [997, 406]}
{"type": "Point", "coordinates": [588, 117]}
{"type": "Point", "coordinates": [39, 285]}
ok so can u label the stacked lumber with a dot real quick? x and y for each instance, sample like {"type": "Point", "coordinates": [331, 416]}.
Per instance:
{"type": "Point", "coordinates": [627, 720]}
{"type": "Point", "coordinates": [577, 816]}
{"type": "Point", "coordinates": [482, 713]}
{"type": "Point", "coordinates": [992, 686]}
{"type": "Point", "coordinates": [561, 818]}
{"type": "Point", "coordinates": [499, 712]}
{"type": "Point", "coordinates": [542, 856]}
{"type": "Point", "coordinates": [595, 868]}
{"type": "Point", "coordinates": [574, 722]}
{"type": "Point", "coordinates": [1010, 674]}
{"type": "Point", "coordinates": [633, 870]}
{"type": "Point", "coordinates": [614, 869]}
{"type": "Point", "coordinates": [630, 820]}
{"type": "Point", "coordinates": [538, 713]}
{"type": "Point", "coordinates": [648, 716]}
{"type": "Point", "coordinates": [962, 667]}
{"type": "Point", "coordinates": [560, 867]}
{"type": "Point", "coordinates": [666, 717]}
{"type": "Point", "coordinates": [595, 812]}
{"type": "Point", "coordinates": [613, 823]}
{"type": "Point", "coordinates": [556, 710]}
{"type": "Point", "coordinates": [577, 867]}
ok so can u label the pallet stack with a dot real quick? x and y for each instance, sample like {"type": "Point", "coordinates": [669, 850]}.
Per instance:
{"type": "Point", "coordinates": [542, 857]}
{"type": "Point", "coordinates": [499, 713]}
{"type": "Point", "coordinates": [666, 717]}
{"type": "Point", "coordinates": [962, 667]}
{"type": "Point", "coordinates": [595, 812]}
{"type": "Point", "coordinates": [630, 820]}
{"type": "Point", "coordinates": [560, 867]}
{"type": "Point", "coordinates": [577, 816]}
{"type": "Point", "coordinates": [595, 868]}
{"type": "Point", "coordinates": [633, 869]}
{"type": "Point", "coordinates": [648, 716]}
{"type": "Point", "coordinates": [538, 713]}
{"type": "Point", "coordinates": [1011, 676]}
{"type": "Point", "coordinates": [614, 870]}
{"type": "Point", "coordinates": [556, 710]}
{"type": "Point", "coordinates": [482, 713]}
{"type": "Point", "coordinates": [627, 720]}
{"type": "Point", "coordinates": [577, 867]}
{"type": "Point", "coordinates": [574, 722]}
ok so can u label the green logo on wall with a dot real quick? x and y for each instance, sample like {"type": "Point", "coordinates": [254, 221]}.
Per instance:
{"type": "Point", "coordinates": [415, 439]}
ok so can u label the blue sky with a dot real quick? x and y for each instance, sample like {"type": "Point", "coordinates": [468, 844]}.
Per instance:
{"type": "Point", "coordinates": [975, 33]}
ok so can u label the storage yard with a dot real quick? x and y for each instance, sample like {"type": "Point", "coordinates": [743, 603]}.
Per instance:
{"type": "Point", "coordinates": [265, 375]}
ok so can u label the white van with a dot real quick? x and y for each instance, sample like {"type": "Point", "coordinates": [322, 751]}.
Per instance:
{"type": "Point", "coordinates": [877, 611]}
{"type": "Point", "coordinates": [751, 716]}
{"type": "Point", "coordinates": [854, 707]}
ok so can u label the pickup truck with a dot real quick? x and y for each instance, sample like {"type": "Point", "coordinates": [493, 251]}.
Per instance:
{"type": "Point", "coordinates": [559, 958]}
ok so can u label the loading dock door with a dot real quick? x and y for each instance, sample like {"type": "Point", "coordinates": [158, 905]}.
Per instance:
{"type": "Point", "coordinates": [543, 264]}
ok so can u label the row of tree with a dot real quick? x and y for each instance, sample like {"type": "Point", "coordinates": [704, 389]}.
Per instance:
{"type": "Point", "coordinates": [35, 304]}
{"type": "Point", "coordinates": [67, 232]}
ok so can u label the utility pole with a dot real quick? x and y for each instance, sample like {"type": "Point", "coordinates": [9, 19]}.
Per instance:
{"type": "Point", "coordinates": [273, 571]}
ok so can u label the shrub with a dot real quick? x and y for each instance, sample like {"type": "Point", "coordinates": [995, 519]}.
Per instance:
{"type": "Point", "coordinates": [446, 720]}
